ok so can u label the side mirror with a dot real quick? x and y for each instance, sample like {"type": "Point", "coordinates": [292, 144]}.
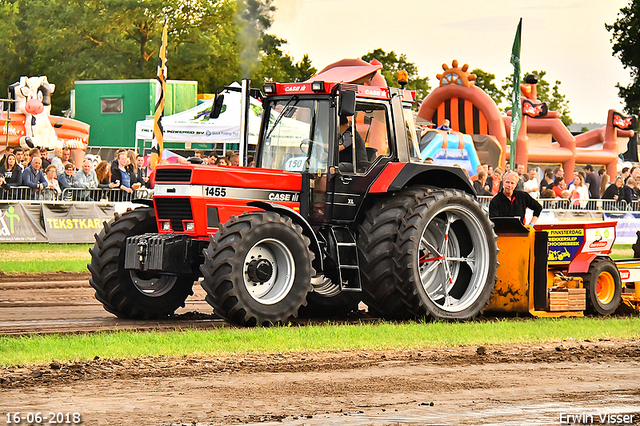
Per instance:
{"type": "Point", "coordinates": [217, 106]}
{"type": "Point", "coordinates": [347, 103]}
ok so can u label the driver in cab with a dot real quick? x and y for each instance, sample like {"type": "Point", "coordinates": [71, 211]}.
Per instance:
{"type": "Point", "coordinates": [345, 144]}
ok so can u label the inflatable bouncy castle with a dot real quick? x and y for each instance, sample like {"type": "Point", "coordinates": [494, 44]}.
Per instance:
{"type": "Point", "coordinates": [25, 120]}
{"type": "Point", "coordinates": [543, 138]}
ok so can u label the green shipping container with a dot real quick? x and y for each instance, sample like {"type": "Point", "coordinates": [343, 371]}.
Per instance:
{"type": "Point", "coordinates": [112, 107]}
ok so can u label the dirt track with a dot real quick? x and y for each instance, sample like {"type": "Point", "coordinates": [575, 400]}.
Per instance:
{"type": "Point", "coordinates": [512, 385]}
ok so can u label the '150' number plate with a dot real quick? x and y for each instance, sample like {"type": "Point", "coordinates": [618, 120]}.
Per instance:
{"type": "Point", "coordinates": [215, 191]}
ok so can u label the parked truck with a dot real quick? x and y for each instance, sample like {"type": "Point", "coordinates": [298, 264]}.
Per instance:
{"type": "Point", "coordinates": [309, 228]}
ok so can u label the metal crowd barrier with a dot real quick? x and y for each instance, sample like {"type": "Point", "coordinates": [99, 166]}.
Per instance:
{"type": "Point", "coordinates": [590, 205]}
{"type": "Point", "coordinates": [24, 193]}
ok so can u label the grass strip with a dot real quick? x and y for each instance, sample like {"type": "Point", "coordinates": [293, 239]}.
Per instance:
{"type": "Point", "coordinates": [317, 338]}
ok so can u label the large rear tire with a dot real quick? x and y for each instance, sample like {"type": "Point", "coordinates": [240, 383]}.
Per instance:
{"type": "Point", "coordinates": [257, 269]}
{"type": "Point", "coordinates": [446, 257]}
{"type": "Point", "coordinates": [604, 287]}
{"type": "Point", "coordinates": [377, 235]}
{"type": "Point", "coordinates": [129, 293]}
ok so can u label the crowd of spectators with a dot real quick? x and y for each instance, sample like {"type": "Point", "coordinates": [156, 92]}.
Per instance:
{"type": "Point", "coordinates": [45, 175]}
{"type": "Point", "coordinates": [581, 192]}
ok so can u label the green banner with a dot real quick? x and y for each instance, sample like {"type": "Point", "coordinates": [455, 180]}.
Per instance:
{"type": "Point", "coordinates": [516, 106]}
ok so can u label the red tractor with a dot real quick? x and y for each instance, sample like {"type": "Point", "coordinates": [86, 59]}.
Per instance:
{"type": "Point", "coordinates": [312, 228]}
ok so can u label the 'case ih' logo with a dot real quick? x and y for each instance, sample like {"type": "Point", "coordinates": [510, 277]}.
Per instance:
{"type": "Point", "coordinates": [625, 274]}
{"type": "Point", "coordinates": [295, 88]}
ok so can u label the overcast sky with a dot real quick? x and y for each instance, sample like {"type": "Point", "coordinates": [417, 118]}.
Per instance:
{"type": "Point", "coordinates": [565, 38]}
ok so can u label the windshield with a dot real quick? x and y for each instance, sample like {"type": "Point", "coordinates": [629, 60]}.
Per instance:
{"type": "Point", "coordinates": [297, 136]}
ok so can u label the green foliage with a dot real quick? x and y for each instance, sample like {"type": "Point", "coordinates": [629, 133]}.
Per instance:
{"type": "Point", "coordinates": [392, 63]}
{"type": "Point", "coordinates": [625, 36]}
{"type": "Point", "coordinates": [214, 42]}
{"type": "Point", "coordinates": [485, 81]}
{"type": "Point", "coordinates": [555, 100]}
{"type": "Point", "coordinates": [320, 338]}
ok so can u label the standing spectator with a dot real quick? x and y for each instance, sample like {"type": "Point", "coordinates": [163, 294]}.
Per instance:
{"type": "Point", "coordinates": [45, 161]}
{"type": "Point", "coordinates": [631, 191]}
{"type": "Point", "coordinates": [624, 174]}
{"type": "Point", "coordinates": [52, 191]}
{"type": "Point", "coordinates": [605, 182]}
{"type": "Point", "coordinates": [11, 172]}
{"type": "Point", "coordinates": [592, 181]}
{"type": "Point", "coordinates": [234, 160]}
{"type": "Point", "coordinates": [478, 169]}
{"type": "Point", "coordinates": [559, 185]}
{"type": "Point", "coordinates": [35, 152]}
{"type": "Point", "coordinates": [33, 176]}
{"type": "Point", "coordinates": [579, 193]}
{"type": "Point", "coordinates": [496, 181]}
{"type": "Point", "coordinates": [547, 179]}
{"type": "Point", "coordinates": [8, 150]}
{"type": "Point", "coordinates": [87, 178]}
{"type": "Point", "coordinates": [57, 158]}
{"type": "Point", "coordinates": [120, 175]}
{"type": "Point", "coordinates": [531, 186]}
{"type": "Point", "coordinates": [634, 173]}
{"type": "Point", "coordinates": [103, 174]}
{"type": "Point", "coordinates": [198, 153]}
{"type": "Point", "coordinates": [521, 178]}
{"type": "Point", "coordinates": [615, 191]}
{"type": "Point", "coordinates": [19, 153]}
{"type": "Point", "coordinates": [479, 184]}
{"type": "Point", "coordinates": [68, 180]}
{"type": "Point", "coordinates": [213, 158]}
{"type": "Point", "coordinates": [141, 175]}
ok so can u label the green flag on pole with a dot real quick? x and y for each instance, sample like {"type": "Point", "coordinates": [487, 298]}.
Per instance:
{"type": "Point", "coordinates": [516, 109]}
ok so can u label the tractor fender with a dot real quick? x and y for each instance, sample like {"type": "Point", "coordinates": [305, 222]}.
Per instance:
{"type": "Point", "coordinates": [307, 230]}
{"type": "Point", "coordinates": [396, 176]}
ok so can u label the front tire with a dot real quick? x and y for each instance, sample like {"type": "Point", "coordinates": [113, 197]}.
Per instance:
{"type": "Point", "coordinates": [129, 293]}
{"type": "Point", "coordinates": [604, 287]}
{"type": "Point", "coordinates": [446, 257]}
{"type": "Point", "coordinates": [257, 269]}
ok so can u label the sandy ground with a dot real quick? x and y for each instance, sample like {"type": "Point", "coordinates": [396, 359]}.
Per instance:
{"type": "Point", "coordinates": [555, 383]}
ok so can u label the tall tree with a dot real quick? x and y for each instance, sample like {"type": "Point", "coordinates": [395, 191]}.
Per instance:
{"type": "Point", "coordinates": [119, 39]}
{"type": "Point", "coordinates": [485, 81]}
{"type": "Point", "coordinates": [625, 36]}
{"type": "Point", "coordinates": [392, 63]}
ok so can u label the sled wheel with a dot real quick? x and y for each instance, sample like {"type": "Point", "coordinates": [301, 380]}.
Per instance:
{"type": "Point", "coordinates": [604, 287]}
{"type": "Point", "coordinates": [446, 257]}
{"type": "Point", "coordinates": [257, 269]}
{"type": "Point", "coordinates": [128, 293]}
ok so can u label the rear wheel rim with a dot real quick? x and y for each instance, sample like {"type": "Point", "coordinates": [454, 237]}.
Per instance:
{"type": "Point", "coordinates": [605, 288]}
{"type": "Point", "coordinates": [282, 274]}
{"type": "Point", "coordinates": [440, 260]}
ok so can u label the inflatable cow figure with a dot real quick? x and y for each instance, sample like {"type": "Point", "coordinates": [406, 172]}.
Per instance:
{"type": "Point", "coordinates": [33, 99]}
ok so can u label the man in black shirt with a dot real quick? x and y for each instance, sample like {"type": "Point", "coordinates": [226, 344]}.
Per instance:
{"type": "Point", "coordinates": [512, 203]}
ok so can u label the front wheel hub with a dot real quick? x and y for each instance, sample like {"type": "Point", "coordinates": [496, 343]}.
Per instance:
{"type": "Point", "coordinates": [260, 270]}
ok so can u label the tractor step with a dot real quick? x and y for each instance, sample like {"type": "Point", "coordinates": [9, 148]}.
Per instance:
{"type": "Point", "coordinates": [347, 258]}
